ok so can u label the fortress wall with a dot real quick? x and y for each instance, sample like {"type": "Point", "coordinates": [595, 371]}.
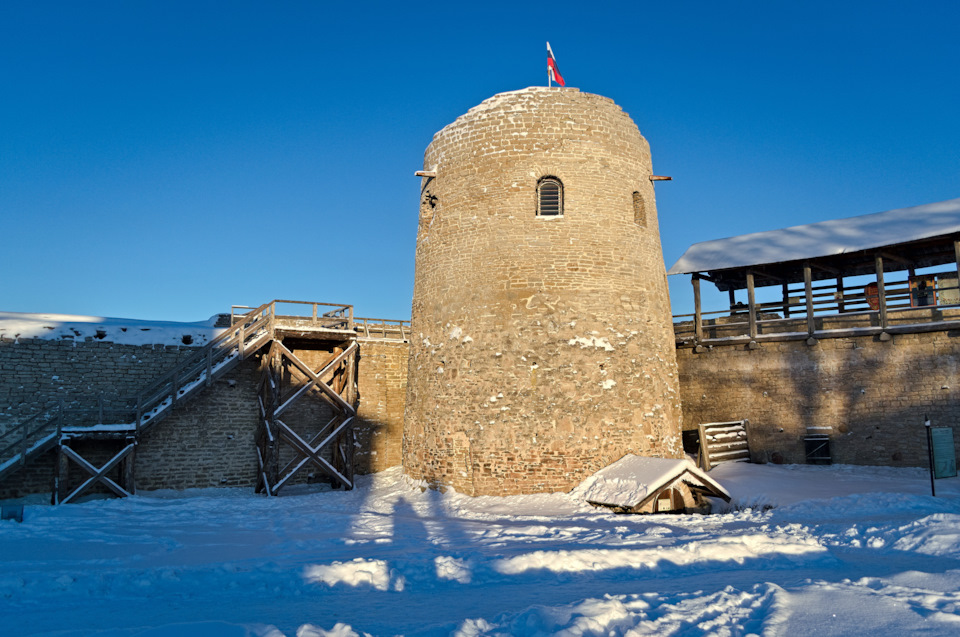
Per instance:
{"type": "Point", "coordinates": [872, 394]}
{"type": "Point", "coordinates": [382, 383]}
{"type": "Point", "coordinates": [209, 440]}
{"type": "Point", "coordinates": [35, 372]}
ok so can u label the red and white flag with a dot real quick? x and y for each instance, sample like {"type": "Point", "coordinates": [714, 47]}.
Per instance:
{"type": "Point", "coordinates": [553, 72]}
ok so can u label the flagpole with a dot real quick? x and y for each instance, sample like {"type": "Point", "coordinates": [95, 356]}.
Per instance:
{"type": "Point", "coordinates": [549, 75]}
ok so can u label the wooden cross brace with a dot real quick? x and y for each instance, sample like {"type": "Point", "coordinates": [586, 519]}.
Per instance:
{"type": "Point", "coordinates": [316, 380]}
{"type": "Point", "coordinates": [310, 453]}
{"type": "Point", "coordinates": [97, 475]}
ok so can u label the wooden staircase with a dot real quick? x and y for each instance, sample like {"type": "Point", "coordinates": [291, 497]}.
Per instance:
{"type": "Point", "coordinates": [57, 426]}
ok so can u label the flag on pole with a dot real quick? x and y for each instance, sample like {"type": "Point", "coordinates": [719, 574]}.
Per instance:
{"type": "Point", "coordinates": [553, 72]}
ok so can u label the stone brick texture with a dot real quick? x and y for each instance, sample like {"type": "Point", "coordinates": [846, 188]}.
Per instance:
{"type": "Point", "coordinates": [867, 395]}
{"type": "Point", "coordinates": [208, 440]}
{"type": "Point", "coordinates": [382, 385]}
{"type": "Point", "coordinates": [542, 348]}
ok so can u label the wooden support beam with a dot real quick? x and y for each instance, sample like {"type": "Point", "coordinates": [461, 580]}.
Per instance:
{"type": "Point", "coordinates": [840, 294]}
{"type": "Point", "coordinates": [311, 454]}
{"type": "Point", "coordinates": [128, 476]}
{"type": "Point", "coordinates": [956, 257]}
{"type": "Point", "coordinates": [426, 173]}
{"type": "Point", "coordinates": [335, 398]}
{"type": "Point", "coordinates": [786, 299]}
{"type": "Point", "coordinates": [894, 257]}
{"type": "Point", "coordinates": [752, 306]}
{"type": "Point", "coordinates": [808, 292]}
{"type": "Point", "coordinates": [825, 268]}
{"type": "Point", "coordinates": [97, 474]}
{"type": "Point", "coordinates": [660, 178]}
{"type": "Point", "coordinates": [697, 310]}
{"type": "Point", "coordinates": [881, 292]}
{"type": "Point", "coordinates": [315, 379]}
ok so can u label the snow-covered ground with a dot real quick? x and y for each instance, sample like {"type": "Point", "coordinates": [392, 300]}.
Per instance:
{"type": "Point", "coordinates": [802, 551]}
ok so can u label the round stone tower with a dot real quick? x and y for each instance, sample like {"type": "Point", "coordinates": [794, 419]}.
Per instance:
{"type": "Point", "coordinates": [541, 341]}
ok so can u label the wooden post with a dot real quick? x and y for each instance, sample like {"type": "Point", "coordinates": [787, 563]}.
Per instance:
{"type": "Point", "coordinates": [314, 312]}
{"type": "Point", "coordinates": [733, 299]}
{"type": "Point", "coordinates": [127, 472]}
{"type": "Point", "coordinates": [956, 256]}
{"type": "Point", "coordinates": [881, 293]}
{"type": "Point", "coordinates": [240, 341]}
{"type": "Point", "coordinates": [136, 424]}
{"type": "Point", "coordinates": [350, 318]}
{"type": "Point", "coordinates": [752, 306]}
{"type": "Point", "coordinates": [786, 300]}
{"type": "Point", "coordinates": [59, 419]}
{"type": "Point", "coordinates": [808, 292]}
{"type": "Point", "coordinates": [697, 312]}
{"type": "Point", "coordinates": [840, 304]}
{"type": "Point", "coordinates": [63, 473]}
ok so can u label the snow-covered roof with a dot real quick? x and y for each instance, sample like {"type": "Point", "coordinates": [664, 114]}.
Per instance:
{"type": "Point", "coordinates": [632, 479]}
{"type": "Point", "coordinates": [825, 238]}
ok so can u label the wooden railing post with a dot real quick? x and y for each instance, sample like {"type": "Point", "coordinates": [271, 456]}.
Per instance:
{"type": "Point", "coordinates": [59, 418]}
{"type": "Point", "coordinates": [314, 312]}
{"type": "Point", "coordinates": [808, 292]}
{"type": "Point", "coordinates": [786, 299]}
{"type": "Point", "coordinates": [881, 293]}
{"type": "Point", "coordinates": [136, 425]}
{"type": "Point", "coordinates": [243, 335]}
{"type": "Point", "coordinates": [350, 317]}
{"type": "Point", "coordinates": [956, 256]}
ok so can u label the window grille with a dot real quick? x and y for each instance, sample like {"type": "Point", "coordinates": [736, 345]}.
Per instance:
{"type": "Point", "coordinates": [549, 197]}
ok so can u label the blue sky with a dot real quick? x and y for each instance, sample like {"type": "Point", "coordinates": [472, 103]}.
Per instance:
{"type": "Point", "coordinates": [164, 160]}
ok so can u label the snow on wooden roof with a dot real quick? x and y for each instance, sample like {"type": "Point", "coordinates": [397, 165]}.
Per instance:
{"type": "Point", "coordinates": [632, 479]}
{"type": "Point", "coordinates": [825, 238]}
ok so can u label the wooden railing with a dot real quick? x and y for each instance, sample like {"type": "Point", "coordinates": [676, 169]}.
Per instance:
{"type": "Point", "coordinates": [388, 329]}
{"type": "Point", "coordinates": [827, 311]}
{"type": "Point", "coordinates": [322, 315]}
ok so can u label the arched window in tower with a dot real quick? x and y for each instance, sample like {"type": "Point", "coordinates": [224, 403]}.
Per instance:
{"type": "Point", "coordinates": [549, 197]}
{"type": "Point", "coordinates": [639, 210]}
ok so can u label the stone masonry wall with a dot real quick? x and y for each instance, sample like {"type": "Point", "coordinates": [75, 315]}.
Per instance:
{"type": "Point", "coordinates": [37, 372]}
{"type": "Point", "coordinates": [542, 348]}
{"type": "Point", "coordinates": [869, 396]}
{"type": "Point", "coordinates": [208, 440]}
{"type": "Point", "coordinates": [382, 382]}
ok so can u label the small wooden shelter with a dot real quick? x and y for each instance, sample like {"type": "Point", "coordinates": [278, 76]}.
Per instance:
{"type": "Point", "coordinates": [635, 484]}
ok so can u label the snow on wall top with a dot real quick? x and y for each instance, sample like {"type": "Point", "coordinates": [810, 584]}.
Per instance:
{"type": "Point", "coordinates": [632, 478]}
{"type": "Point", "coordinates": [55, 327]}
{"type": "Point", "coordinates": [825, 238]}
